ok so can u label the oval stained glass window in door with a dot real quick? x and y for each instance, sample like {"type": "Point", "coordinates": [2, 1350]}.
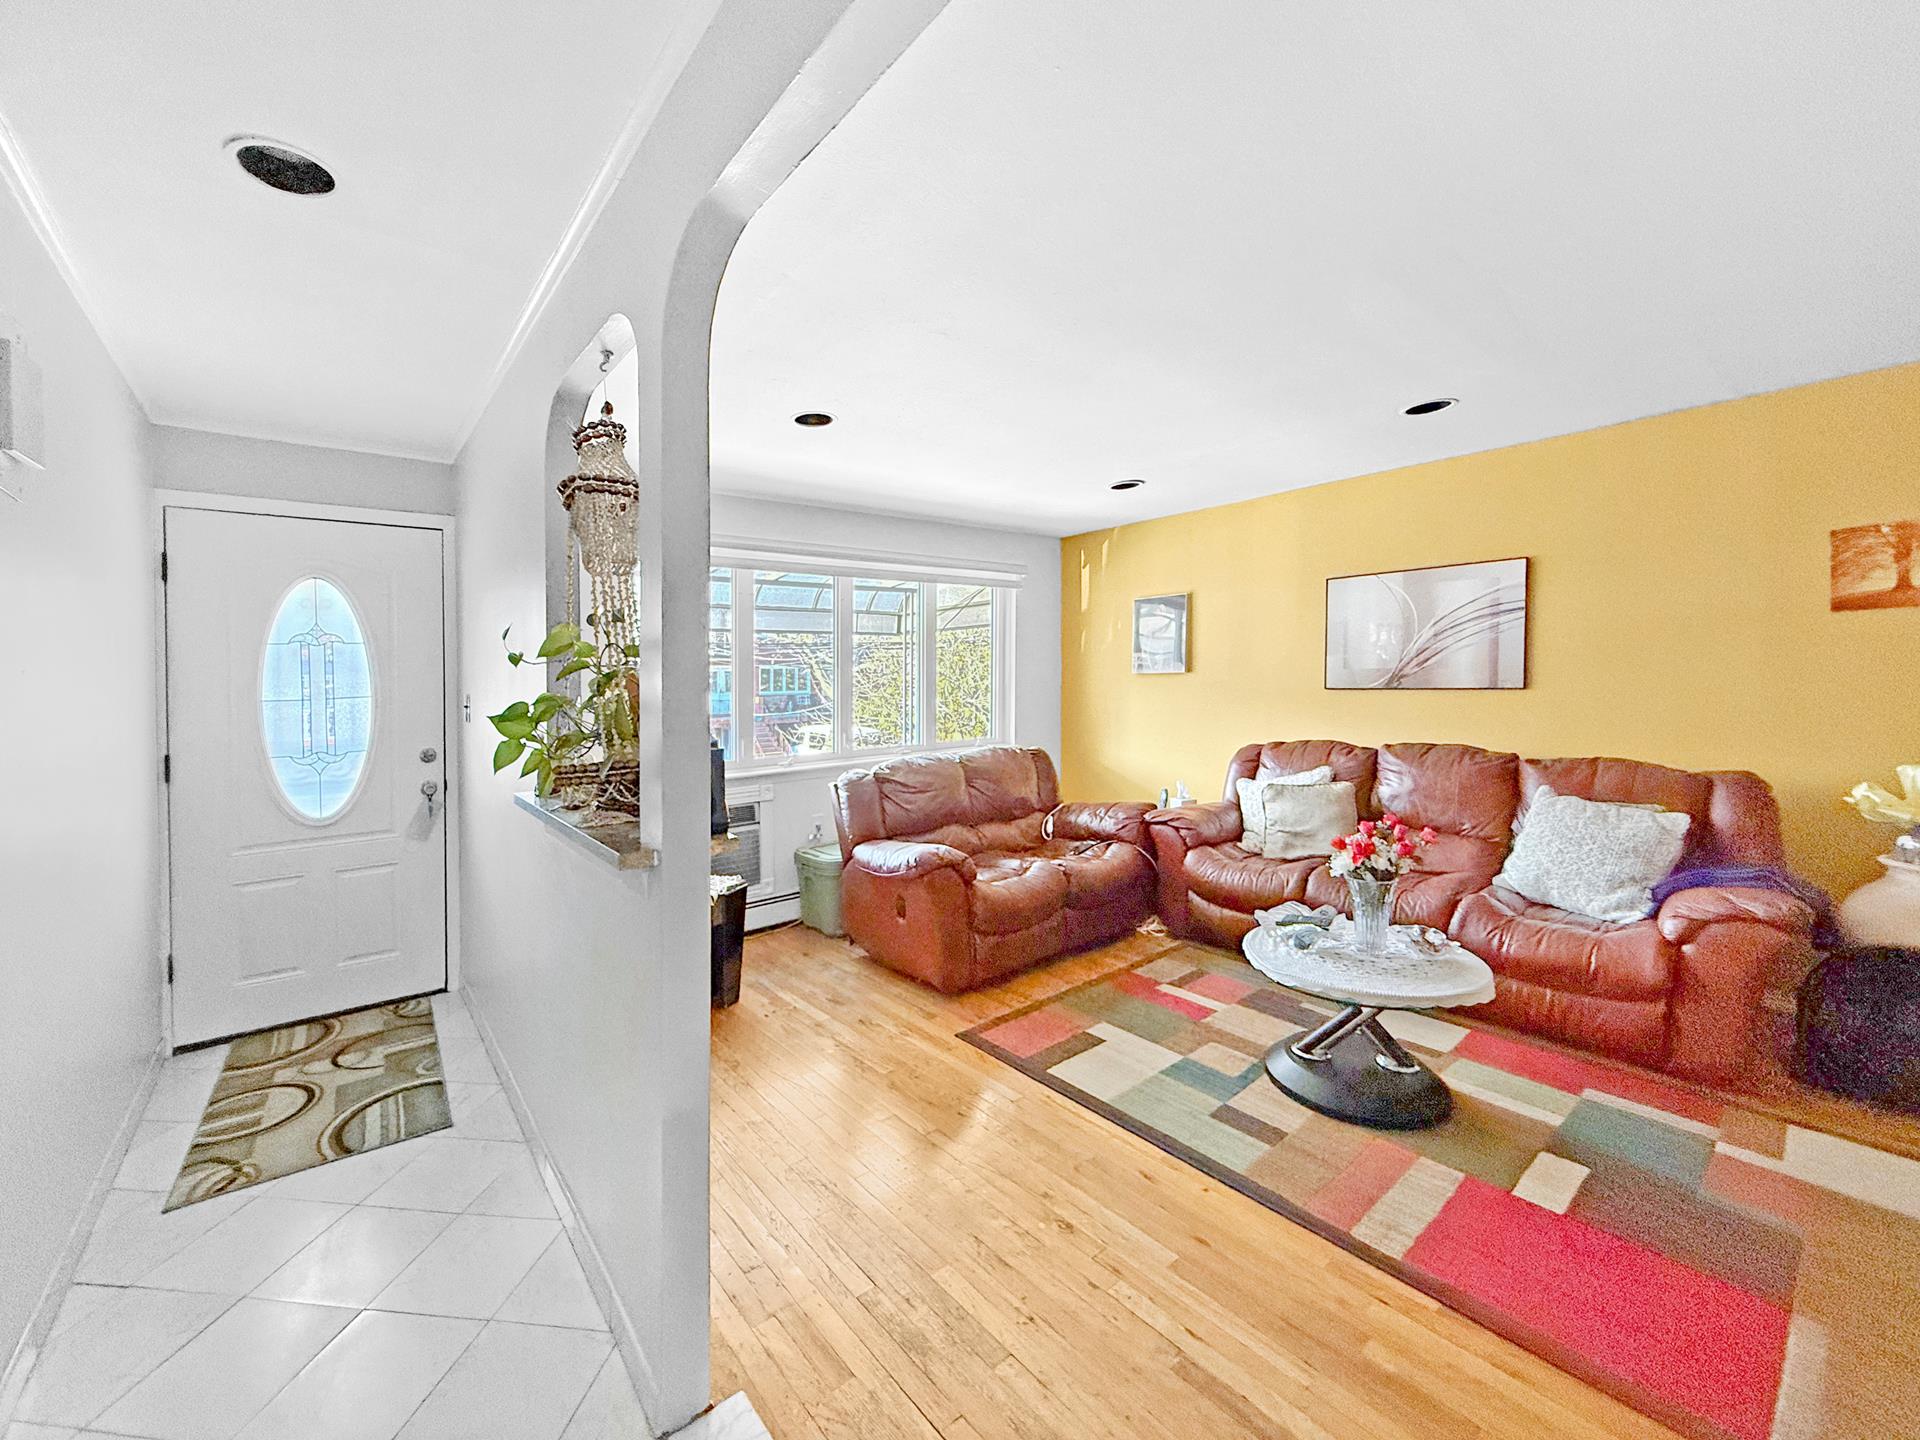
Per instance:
{"type": "Point", "coordinates": [316, 699]}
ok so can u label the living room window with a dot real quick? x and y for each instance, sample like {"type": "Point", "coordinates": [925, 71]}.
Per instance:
{"type": "Point", "coordinates": [828, 662]}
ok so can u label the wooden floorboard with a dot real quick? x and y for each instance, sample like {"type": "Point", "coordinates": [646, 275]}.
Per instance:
{"type": "Point", "coordinates": [912, 1239]}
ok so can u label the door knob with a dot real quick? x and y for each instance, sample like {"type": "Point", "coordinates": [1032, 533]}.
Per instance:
{"type": "Point", "coordinates": [429, 755]}
{"type": "Point", "coordinates": [430, 789]}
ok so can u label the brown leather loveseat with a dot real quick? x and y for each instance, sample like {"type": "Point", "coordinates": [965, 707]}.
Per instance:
{"type": "Point", "coordinates": [1681, 990]}
{"type": "Point", "coordinates": [962, 869]}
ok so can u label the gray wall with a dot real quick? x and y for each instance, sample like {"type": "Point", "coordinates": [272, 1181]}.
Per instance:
{"type": "Point", "coordinates": [79, 838]}
{"type": "Point", "coordinates": [212, 464]}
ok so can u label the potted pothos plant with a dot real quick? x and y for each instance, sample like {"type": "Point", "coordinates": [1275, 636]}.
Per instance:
{"type": "Point", "coordinates": [584, 744]}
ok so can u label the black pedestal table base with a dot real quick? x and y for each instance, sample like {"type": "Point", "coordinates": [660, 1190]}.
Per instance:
{"type": "Point", "coordinates": [1352, 1069]}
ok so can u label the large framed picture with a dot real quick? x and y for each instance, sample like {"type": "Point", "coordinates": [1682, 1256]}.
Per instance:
{"type": "Point", "coordinates": [1160, 635]}
{"type": "Point", "coordinates": [1443, 627]}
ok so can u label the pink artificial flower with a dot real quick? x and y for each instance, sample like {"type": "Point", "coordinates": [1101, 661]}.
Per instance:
{"type": "Point", "coordinates": [1387, 817]}
{"type": "Point", "coordinates": [1366, 827]}
{"type": "Point", "coordinates": [1339, 842]}
{"type": "Point", "coordinates": [1405, 847]}
{"type": "Point", "coordinates": [1428, 836]}
{"type": "Point", "coordinates": [1399, 832]}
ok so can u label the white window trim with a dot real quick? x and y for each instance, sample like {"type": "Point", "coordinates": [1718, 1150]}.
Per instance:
{"type": "Point", "coordinates": [844, 756]}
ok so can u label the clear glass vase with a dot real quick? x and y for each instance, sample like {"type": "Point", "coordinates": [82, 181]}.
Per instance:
{"type": "Point", "coordinates": [1372, 910]}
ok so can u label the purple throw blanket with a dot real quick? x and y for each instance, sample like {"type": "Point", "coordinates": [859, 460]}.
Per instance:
{"type": "Point", "coordinates": [1826, 930]}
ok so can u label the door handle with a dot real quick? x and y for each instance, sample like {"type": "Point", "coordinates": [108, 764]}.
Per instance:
{"type": "Point", "coordinates": [430, 789]}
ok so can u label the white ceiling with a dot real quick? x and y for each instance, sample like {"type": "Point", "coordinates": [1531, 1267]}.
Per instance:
{"type": "Point", "coordinates": [1221, 245]}
{"type": "Point", "coordinates": [464, 138]}
{"type": "Point", "coordinates": [1218, 245]}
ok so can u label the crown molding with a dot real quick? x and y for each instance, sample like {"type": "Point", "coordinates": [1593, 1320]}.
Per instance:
{"type": "Point", "coordinates": [25, 186]}
{"type": "Point", "coordinates": [674, 54]}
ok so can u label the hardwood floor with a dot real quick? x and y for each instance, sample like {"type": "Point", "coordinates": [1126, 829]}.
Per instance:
{"type": "Point", "coordinates": [912, 1239]}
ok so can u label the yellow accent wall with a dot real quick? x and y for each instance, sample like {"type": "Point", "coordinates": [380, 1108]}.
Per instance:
{"type": "Point", "coordinates": [1678, 610]}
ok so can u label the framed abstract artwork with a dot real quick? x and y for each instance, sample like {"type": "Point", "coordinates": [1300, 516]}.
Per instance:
{"type": "Point", "coordinates": [1876, 566]}
{"type": "Point", "coordinates": [1443, 627]}
{"type": "Point", "coordinates": [1160, 635]}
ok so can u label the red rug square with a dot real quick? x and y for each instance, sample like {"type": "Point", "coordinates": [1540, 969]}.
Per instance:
{"type": "Point", "coordinates": [1030, 1034]}
{"type": "Point", "coordinates": [1688, 1339]}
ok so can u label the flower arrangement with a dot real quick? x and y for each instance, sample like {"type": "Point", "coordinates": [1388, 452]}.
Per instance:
{"type": "Point", "coordinates": [1382, 849]}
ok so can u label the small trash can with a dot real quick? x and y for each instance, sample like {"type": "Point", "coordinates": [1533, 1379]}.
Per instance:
{"type": "Point", "coordinates": [819, 867]}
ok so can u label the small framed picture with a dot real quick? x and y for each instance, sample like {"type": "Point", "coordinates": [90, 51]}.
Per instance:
{"type": "Point", "coordinates": [1160, 635]}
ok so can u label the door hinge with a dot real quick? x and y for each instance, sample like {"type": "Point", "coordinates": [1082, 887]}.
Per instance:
{"type": "Point", "coordinates": [169, 969]}
{"type": "Point", "coordinates": [166, 769]}
{"type": "Point", "coordinates": [163, 567]}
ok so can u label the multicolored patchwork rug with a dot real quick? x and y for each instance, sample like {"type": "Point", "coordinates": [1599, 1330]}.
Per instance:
{"type": "Point", "coordinates": [299, 1096]}
{"type": "Point", "coordinates": [1724, 1271]}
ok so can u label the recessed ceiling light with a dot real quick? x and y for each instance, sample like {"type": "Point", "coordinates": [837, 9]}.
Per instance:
{"type": "Point", "coordinates": [280, 166]}
{"type": "Point", "coordinates": [813, 419]}
{"type": "Point", "coordinates": [1126, 484]}
{"type": "Point", "coordinates": [1427, 407]}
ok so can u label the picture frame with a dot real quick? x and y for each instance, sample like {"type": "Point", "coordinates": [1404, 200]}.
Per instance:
{"type": "Point", "coordinates": [1432, 627]}
{"type": "Point", "coordinates": [1160, 634]}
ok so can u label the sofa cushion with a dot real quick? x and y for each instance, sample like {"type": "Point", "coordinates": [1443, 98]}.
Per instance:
{"type": "Point", "coordinates": [1290, 757]}
{"type": "Point", "coordinates": [1251, 796]}
{"type": "Point", "coordinates": [1559, 950]}
{"type": "Point", "coordinates": [1457, 789]}
{"type": "Point", "coordinates": [1015, 891]}
{"type": "Point", "coordinates": [1229, 875]}
{"type": "Point", "coordinates": [921, 794]}
{"type": "Point", "coordinates": [1098, 871]}
{"type": "Point", "coordinates": [1630, 782]}
{"type": "Point", "coordinates": [1022, 834]}
{"type": "Point", "coordinates": [1004, 783]}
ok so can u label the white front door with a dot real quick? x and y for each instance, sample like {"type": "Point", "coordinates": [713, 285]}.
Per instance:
{"type": "Point", "coordinates": [306, 704]}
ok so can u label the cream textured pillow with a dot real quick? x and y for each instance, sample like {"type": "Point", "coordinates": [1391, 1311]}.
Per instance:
{"type": "Point", "coordinates": [1253, 801]}
{"type": "Point", "coordinates": [1595, 859]}
{"type": "Point", "coordinates": [1302, 820]}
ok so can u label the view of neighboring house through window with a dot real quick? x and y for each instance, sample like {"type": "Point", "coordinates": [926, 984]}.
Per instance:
{"type": "Point", "coordinates": [824, 666]}
{"type": "Point", "coordinates": [793, 661]}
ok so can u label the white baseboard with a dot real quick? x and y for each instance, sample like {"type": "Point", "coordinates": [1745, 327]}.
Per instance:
{"type": "Point", "coordinates": [40, 1324]}
{"type": "Point", "coordinates": [626, 1339]}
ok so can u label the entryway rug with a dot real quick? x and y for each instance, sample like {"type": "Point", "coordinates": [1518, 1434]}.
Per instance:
{"type": "Point", "coordinates": [1725, 1271]}
{"type": "Point", "coordinates": [299, 1096]}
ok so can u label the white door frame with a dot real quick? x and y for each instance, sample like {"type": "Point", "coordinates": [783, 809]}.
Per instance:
{"type": "Point", "coordinates": [163, 500]}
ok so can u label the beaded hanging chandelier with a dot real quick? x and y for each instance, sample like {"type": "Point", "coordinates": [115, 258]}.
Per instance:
{"type": "Point", "coordinates": [602, 500]}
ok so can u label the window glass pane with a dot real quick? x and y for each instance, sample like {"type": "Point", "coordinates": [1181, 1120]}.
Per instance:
{"type": "Point", "coordinates": [886, 663]}
{"type": "Point", "coordinates": [792, 664]}
{"type": "Point", "coordinates": [316, 699]}
{"type": "Point", "coordinates": [720, 658]}
{"type": "Point", "coordinates": [963, 662]}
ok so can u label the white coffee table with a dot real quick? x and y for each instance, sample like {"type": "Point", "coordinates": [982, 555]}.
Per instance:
{"type": "Point", "coordinates": [1378, 1083]}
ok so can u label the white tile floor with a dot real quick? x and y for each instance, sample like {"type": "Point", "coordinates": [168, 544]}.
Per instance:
{"type": "Point", "coordinates": [424, 1291]}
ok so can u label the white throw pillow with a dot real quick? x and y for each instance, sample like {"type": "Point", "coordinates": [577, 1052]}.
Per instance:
{"type": "Point", "coordinates": [1253, 801]}
{"type": "Point", "coordinates": [1301, 820]}
{"type": "Point", "coordinates": [1596, 859]}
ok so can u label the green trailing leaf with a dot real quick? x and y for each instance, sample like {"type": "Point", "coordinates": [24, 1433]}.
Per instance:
{"type": "Point", "coordinates": [585, 650]}
{"type": "Point", "coordinates": [545, 706]}
{"type": "Point", "coordinates": [545, 784]}
{"type": "Point", "coordinates": [514, 657]}
{"type": "Point", "coordinates": [562, 637]}
{"type": "Point", "coordinates": [505, 753]}
{"type": "Point", "coordinates": [572, 667]}
{"type": "Point", "coordinates": [516, 730]}
{"type": "Point", "coordinates": [631, 651]}
{"type": "Point", "coordinates": [535, 758]}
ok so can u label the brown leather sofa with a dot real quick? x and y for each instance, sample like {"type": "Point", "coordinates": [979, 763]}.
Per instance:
{"type": "Point", "coordinates": [1680, 991]}
{"type": "Point", "coordinates": [962, 869]}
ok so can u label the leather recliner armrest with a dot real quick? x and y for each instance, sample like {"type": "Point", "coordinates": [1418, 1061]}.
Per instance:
{"type": "Point", "coordinates": [1214, 823]}
{"type": "Point", "coordinates": [1687, 912]}
{"type": "Point", "coordinates": [1112, 820]}
{"type": "Point", "coordinates": [905, 859]}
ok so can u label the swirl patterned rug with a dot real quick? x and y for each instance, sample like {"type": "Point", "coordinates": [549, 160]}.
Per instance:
{"type": "Point", "coordinates": [1719, 1268]}
{"type": "Point", "coordinates": [299, 1096]}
